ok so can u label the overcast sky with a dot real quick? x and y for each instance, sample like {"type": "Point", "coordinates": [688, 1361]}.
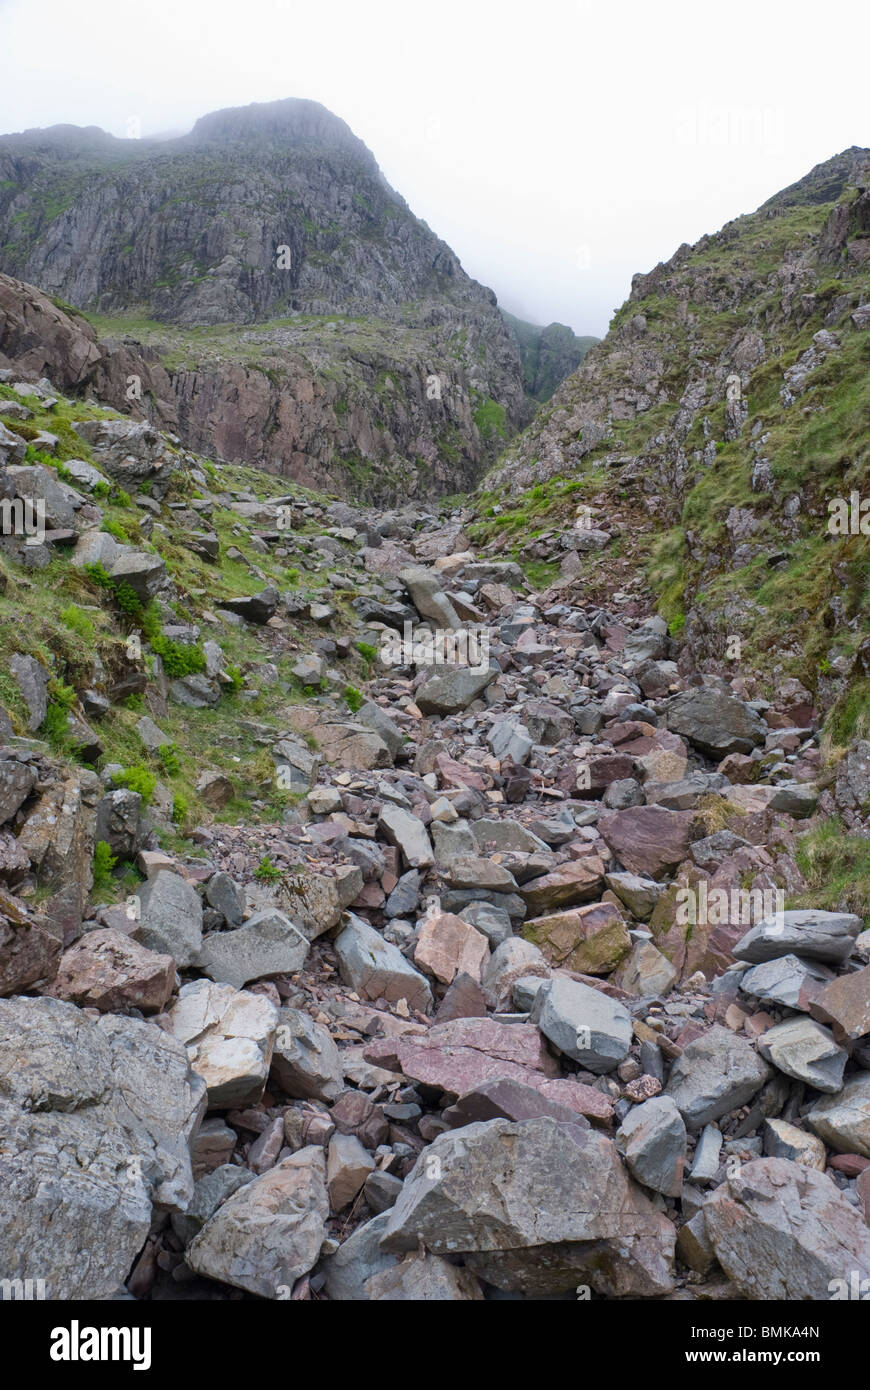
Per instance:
{"type": "Point", "coordinates": [557, 145]}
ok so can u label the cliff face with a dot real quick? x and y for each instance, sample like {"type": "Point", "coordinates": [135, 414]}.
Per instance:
{"type": "Point", "coordinates": [724, 412]}
{"type": "Point", "coordinates": [548, 355]}
{"type": "Point", "coordinates": [376, 361]}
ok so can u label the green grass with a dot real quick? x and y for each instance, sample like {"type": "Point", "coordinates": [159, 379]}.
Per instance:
{"type": "Point", "coordinates": [836, 865]}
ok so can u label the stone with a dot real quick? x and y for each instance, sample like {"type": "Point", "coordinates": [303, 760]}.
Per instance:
{"type": "Point", "coordinates": [268, 944]}
{"type": "Point", "coordinates": [715, 1074]}
{"type": "Point", "coordinates": [97, 1117]}
{"type": "Point", "coordinates": [693, 1244]}
{"type": "Point", "coordinates": [306, 1062]}
{"type": "Point", "coordinates": [506, 835]}
{"type": "Point", "coordinates": [16, 783]}
{"type": "Point", "coordinates": [381, 1190]}
{"type": "Point", "coordinates": [493, 922]}
{"type": "Point", "coordinates": [640, 895]}
{"type": "Point", "coordinates": [428, 597]}
{"type": "Point", "coordinates": [715, 723]}
{"type": "Point", "coordinates": [316, 901]}
{"type": "Point", "coordinates": [845, 1003]}
{"type": "Point", "coordinates": [782, 1140]}
{"type": "Point", "coordinates": [423, 1278]}
{"type": "Point", "coordinates": [269, 1233]}
{"type": "Point", "coordinates": [508, 738]}
{"type": "Point", "coordinates": [58, 837]}
{"type": "Point", "coordinates": [781, 1230]}
{"type": "Point", "coordinates": [447, 946]}
{"type": "Point", "coordinates": [591, 940]}
{"type": "Point", "coordinates": [513, 1100]}
{"type": "Point", "coordinates": [376, 969]}
{"type": "Point", "coordinates": [348, 1165]}
{"type": "Point", "coordinates": [229, 1035]}
{"type": "Point", "coordinates": [522, 1200]}
{"type": "Point", "coordinates": [583, 1023]}
{"type": "Point", "coordinates": [648, 840]}
{"type": "Point", "coordinates": [645, 973]}
{"type": "Point", "coordinates": [30, 945]}
{"type": "Point", "coordinates": [170, 917]}
{"type": "Point", "coordinates": [843, 1120]}
{"type": "Point", "coordinates": [32, 680]}
{"type": "Point", "coordinates": [454, 690]}
{"type": "Point", "coordinates": [120, 823]}
{"type": "Point", "coordinates": [214, 790]}
{"type": "Point", "coordinates": [475, 873]}
{"type": "Point", "coordinates": [787, 980]}
{"type": "Point", "coordinates": [357, 1259]}
{"type": "Point", "coordinates": [810, 933]}
{"type": "Point", "coordinates": [257, 609]}
{"type": "Point", "coordinates": [578, 881]}
{"type": "Point", "coordinates": [107, 970]}
{"type": "Point", "coordinates": [463, 999]}
{"type": "Point", "coordinates": [806, 1050]}
{"type": "Point", "coordinates": [408, 834]}
{"type": "Point", "coordinates": [705, 1163]}
{"type": "Point", "coordinates": [652, 1140]}
{"type": "Point", "coordinates": [226, 897]}
{"type": "Point", "coordinates": [379, 722]}
{"type": "Point", "coordinates": [151, 736]}
{"type": "Point", "coordinates": [465, 1054]}
{"type": "Point", "coordinates": [511, 960]}
{"type": "Point", "coordinates": [210, 1192]}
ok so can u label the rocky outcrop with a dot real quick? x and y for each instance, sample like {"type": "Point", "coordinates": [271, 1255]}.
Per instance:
{"type": "Point", "coordinates": [310, 240]}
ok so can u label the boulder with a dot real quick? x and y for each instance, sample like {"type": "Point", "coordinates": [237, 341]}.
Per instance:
{"type": "Point", "coordinates": [536, 1207]}
{"type": "Point", "coordinates": [450, 691]}
{"type": "Point", "coordinates": [30, 945]}
{"type": "Point", "coordinates": [583, 1023]}
{"type": "Point", "coordinates": [376, 969]}
{"type": "Point", "coordinates": [170, 917]}
{"type": "Point", "coordinates": [806, 1050]}
{"type": "Point", "coordinates": [810, 933]}
{"type": "Point", "coordinates": [648, 840]}
{"type": "Point", "coordinates": [715, 1074]}
{"type": "Point", "coordinates": [714, 722]}
{"type": "Point", "coordinates": [269, 1233]}
{"type": "Point", "coordinates": [591, 940]}
{"type": "Point", "coordinates": [781, 1230]}
{"type": "Point", "coordinates": [107, 970]}
{"type": "Point", "coordinates": [447, 946]}
{"type": "Point", "coordinates": [97, 1116]}
{"type": "Point", "coordinates": [843, 1120]}
{"type": "Point", "coordinates": [268, 944]}
{"type": "Point", "coordinates": [652, 1140]}
{"type": "Point", "coordinates": [229, 1036]}
{"type": "Point", "coordinates": [306, 1062]}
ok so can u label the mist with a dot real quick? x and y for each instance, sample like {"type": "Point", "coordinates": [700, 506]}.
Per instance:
{"type": "Point", "coordinates": [558, 148]}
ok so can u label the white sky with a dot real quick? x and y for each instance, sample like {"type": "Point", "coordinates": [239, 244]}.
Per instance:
{"type": "Point", "coordinates": [557, 145]}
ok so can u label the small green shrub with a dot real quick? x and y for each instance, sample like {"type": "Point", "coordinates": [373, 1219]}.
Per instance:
{"type": "Point", "coordinates": [137, 779]}
{"type": "Point", "coordinates": [353, 698]}
{"type": "Point", "coordinates": [266, 871]}
{"type": "Point", "coordinates": [168, 755]}
{"type": "Point", "coordinates": [179, 810]}
{"type": "Point", "coordinates": [104, 863]}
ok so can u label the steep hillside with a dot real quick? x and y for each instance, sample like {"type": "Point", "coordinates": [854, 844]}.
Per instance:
{"type": "Point", "coordinates": [725, 502]}
{"type": "Point", "coordinates": [548, 354]}
{"type": "Point", "coordinates": [348, 339]}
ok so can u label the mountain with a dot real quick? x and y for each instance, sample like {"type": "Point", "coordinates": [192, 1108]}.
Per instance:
{"type": "Point", "coordinates": [271, 277]}
{"type": "Point", "coordinates": [548, 354]}
{"type": "Point", "coordinates": [724, 504]}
